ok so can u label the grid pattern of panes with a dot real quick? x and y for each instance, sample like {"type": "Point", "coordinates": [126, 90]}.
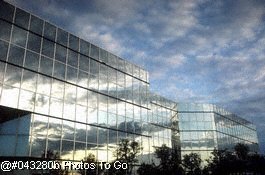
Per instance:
{"type": "Point", "coordinates": [204, 127]}
{"type": "Point", "coordinates": [79, 94]}
{"type": "Point", "coordinates": [164, 127]}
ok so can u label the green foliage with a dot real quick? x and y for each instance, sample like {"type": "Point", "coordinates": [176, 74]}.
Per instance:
{"type": "Point", "coordinates": [192, 164]}
{"type": "Point", "coordinates": [126, 152]}
{"type": "Point", "coordinates": [169, 162]}
{"type": "Point", "coordinates": [241, 151]}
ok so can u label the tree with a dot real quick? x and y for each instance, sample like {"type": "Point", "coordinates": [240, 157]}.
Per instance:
{"type": "Point", "coordinates": [92, 169]}
{"type": "Point", "coordinates": [169, 162]}
{"type": "Point", "coordinates": [126, 152]}
{"type": "Point", "coordinates": [192, 164]}
{"type": "Point", "coordinates": [241, 151]}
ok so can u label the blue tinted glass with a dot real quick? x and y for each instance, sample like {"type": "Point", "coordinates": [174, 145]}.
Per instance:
{"type": "Point", "coordinates": [32, 60]}
{"type": "Point", "coordinates": [60, 53]}
{"type": "Point", "coordinates": [16, 55]}
{"type": "Point", "coordinates": [6, 11]}
{"type": "Point", "coordinates": [34, 42]}
{"type": "Point", "coordinates": [72, 58]}
{"type": "Point", "coordinates": [3, 50]}
{"type": "Point", "coordinates": [19, 36]}
{"type": "Point", "coordinates": [62, 37]}
{"type": "Point", "coordinates": [49, 31]}
{"type": "Point", "coordinates": [22, 18]}
{"type": "Point", "coordinates": [46, 66]}
{"type": "Point", "coordinates": [73, 42]}
{"type": "Point", "coordinates": [48, 48]}
{"type": "Point", "coordinates": [5, 29]}
{"type": "Point", "coordinates": [94, 52]}
{"type": "Point", "coordinates": [84, 63]}
{"type": "Point", "coordinates": [36, 25]}
{"type": "Point", "coordinates": [59, 70]}
{"type": "Point", "coordinates": [84, 47]}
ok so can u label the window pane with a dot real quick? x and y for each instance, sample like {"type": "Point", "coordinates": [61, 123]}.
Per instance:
{"type": "Point", "coordinates": [26, 100]}
{"type": "Point", "coordinates": [72, 58]}
{"type": "Point", "coordinates": [3, 50]}
{"type": "Point", "coordinates": [104, 56]}
{"type": "Point", "coordinates": [62, 37]}
{"type": "Point", "coordinates": [29, 81]}
{"type": "Point", "coordinates": [49, 31]}
{"type": "Point", "coordinates": [94, 52]}
{"type": "Point", "coordinates": [36, 25]}
{"type": "Point", "coordinates": [13, 76]}
{"type": "Point", "coordinates": [6, 11]}
{"type": "Point", "coordinates": [2, 71]}
{"type": "Point", "coordinates": [48, 48]}
{"type": "Point", "coordinates": [84, 47]}
{"type": "Point", "coordinates": [84, 63]}
{"type": "Point", "coordinates": [22, 18]}
{"type": "Point", "coordinates": [32, 60]}
{"type": "Point", "coordinates": [5, 29]}
{"type": "Point", "coordinates": [60, 54]}
{"type": "Point", "coordinates": [19, 36]}
{"type": "Point", "coordinates": [16, 55]}
{"type": "Point", "coordinates": [94, 68]}
{"type": "Point", "coordinates": [59, 70]}
{"type": "Point", "coordinates": [34, 42]}
{"type": "Point", "coordinates": [82, 79]}
{"type": "Point", "coordinates": [73, 42]}
{"type": "Point", "coordinates": [46, 65]}
{"type": "Point", "coordinates": [71, 74]}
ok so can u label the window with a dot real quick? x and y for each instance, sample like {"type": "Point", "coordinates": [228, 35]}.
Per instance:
{"type": "Point", "coordinates": [49, 31]}
{"type": "Point", "coordinates": [72, 58]}
{"type": "Point", "coordinates": [84, 63]}
{"type": "Point", "coordinates": [94, 52]}
{"type": "Point", "coordinates": [16, 55]}
{"type": "Point", "coordinates": [84, 47]}
{"type": "Point", "coordinates": [46, 65]}
{"type": "Point", "coordinates": [48, 48]}
{"type": "Point", "coordinates": [22, 18]}
{"type": "Point", "coordinates": [5, 30]}
{"type": "Point", "coordinates": [71, 75]}
{"type": "Point", "coordinates": [59, 70]}
{"type": "Point", "coordinates": [73, 42]}
{"type": "Point", "coordinates": [94, 67]}
{"type": "Point", "coordinates": [3, 50]}
{"type": "Point", "coordinates": [34, 42]}
{"type": "Point", "coordinates": [6, 11]}
{"type": "Point", "coordinates": [60, 54]}
{"type": "Point", "coordinates": [104, 56]}
{"type": "Point", "coordinates": [19, 36]}
{"type": "Point", "coordinates": [32, 60]}
{"type": "Point", "coordinates": [36, 25]}
{"type": "Point", "coordinates": [62, 37]}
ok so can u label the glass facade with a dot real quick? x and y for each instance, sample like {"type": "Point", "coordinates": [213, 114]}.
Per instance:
{"type": "Point", "coordinates": [61, 93]}
{"type": "Point", "coordinates": [204, 127]}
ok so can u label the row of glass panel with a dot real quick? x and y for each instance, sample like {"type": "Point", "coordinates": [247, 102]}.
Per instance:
{"type": "Point", "coordinates": [44, 29]}
{"type": "Point", "coordinates": [106, 84]}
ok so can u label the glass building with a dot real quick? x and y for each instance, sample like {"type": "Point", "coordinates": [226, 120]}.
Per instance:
{"type": "Point", "coordinates": [59, 92]}
{"type": "Point", "coordinates": [205, 127]}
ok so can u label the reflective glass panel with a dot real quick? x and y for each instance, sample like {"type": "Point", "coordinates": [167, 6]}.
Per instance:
{"type": "Point", "coordinates": [94, 67]}
{"type": "Point", "coordinates": [29, 80]}
{"type": "Point", "coordinates": [3, 50]}
{"type": "Point", "coordinates": [56, 107]}
{"type": "Point", "coordinates": [84, 47]}
{"type": "Point", "coordinates": [57, 89]}
{"type": "Point", "coordinates": [60, 54]}
{"type": "Point", "coordinates": [32, 61]}
{"type": "Point", "coordinates": [71, 75]}
{"type": "Point", "coordinates": [62, 37]}
{"type": "Point", "coordinates": [94, 52]}
{"type": "Point", "coordinates": [73, 42]}
{"type": "Point", "coordinates": [49, 31]}
{"type": "Point", "coordinates": [67, 150]}
{"type": "Point", "coordinates": [6, 11]}
{"type": "Point", "coordinates": [16, 55]}
{"type": "Point", "coordinates": [84, 63]}
{"type": "Point", "coordinates": [48, 48]}
{"type": "Point", "coordinates": [36, 25]}
{"type": "Point", "coordinates": [2, 71]}
{"type": "Point", "coordinates": [44, 85]}
{"type": "Point", "coordinates": [83, 79]}
{"type": "Point", "coordinates": [5, 29]}
{"type": "Point", "coordinates": [104, 56]}
{"type": "Point", "coordinates": [38, 146]}
{"type": "Point", "coordinates": [46, 65]}
{"type": "Point", "coordinates": [42, 104]}
{"type": "Point", "coordinates": [34, 42]}
{"type": "Point", "coordinates": [10, 96]}
{"type": "Point", "coordinates": [26, 100]}
{"type": "Point", "coordinates": [22, 18]}
{"type": "Point", "coordinates": [19, 36]}
{"type": "Point", "coordinates": [54, 145]}
{"type": "Point", "coordinates": [72, 58]}
{"type": "Point", "coordinates": [59, 70]}
{"type": "Point", "coordinates": [68, 130]}
{"type": "Point", "coordinates": [92, 134]}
